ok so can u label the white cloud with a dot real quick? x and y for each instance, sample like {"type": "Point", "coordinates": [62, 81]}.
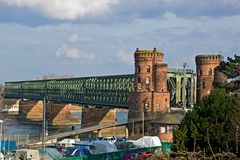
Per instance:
{"type": "Point", "coordinates": [232, 2]}
{"type": "Point", "coordinates": [68, 52]}
{"type": "Point", "coordinates": [118, 11]}
{"type": "Point", "coordinates": [175, 35]}
{"type": "Point", "coordinates": [66, 9]}
{"type": "Point", "coordinates": [73, 53]}
{"type": "Point", "coordinates": [125, 57]}
{"type": "Point", "coordinates": [74, 38]}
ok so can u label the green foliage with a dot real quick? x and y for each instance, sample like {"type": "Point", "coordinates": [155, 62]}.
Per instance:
{"type": "Point", "coordinates": [180, 138]}
{"type": "Point", "coordinates": [217, 115]}
{"type": "Point", "coordinates": [231, 68]}
{"type": "Point", "coordinates": [219, 84]}
{"type": "Point", "coordinates": [1, 91]}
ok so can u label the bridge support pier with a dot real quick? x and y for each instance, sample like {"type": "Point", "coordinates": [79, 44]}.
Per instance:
{"type": "Point", "coordinates": [64, 114]}
{"type": "Point", "coordinates": [57, 114]}
{"type": "Point", "coordinates": [92, 116]}
{"type": "Point", "coordinates": [103, 116]}
{"type": "Point", "coordinates": [30, 110]}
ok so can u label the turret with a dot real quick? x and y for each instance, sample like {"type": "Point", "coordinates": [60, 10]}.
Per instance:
{"type": "Point", "coordinates": [160, 77]}
{"type": "Point", "coordinates": [150, 94]}
{"type": "Point", "coordinates": [206, 71]}
{"type": "Point", "coordinates": [144, 62]}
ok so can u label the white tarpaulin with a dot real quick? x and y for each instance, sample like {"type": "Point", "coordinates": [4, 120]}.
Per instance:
{"type": "Point", "coordinates": [148, 141]}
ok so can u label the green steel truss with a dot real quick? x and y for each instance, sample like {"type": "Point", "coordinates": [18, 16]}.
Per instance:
{"type": "Point", "coordinates": [103, 91]}
{"type": "Point", "coordinates": [99, 91]}
{"type": "Point", "coordinates": [178, 82]}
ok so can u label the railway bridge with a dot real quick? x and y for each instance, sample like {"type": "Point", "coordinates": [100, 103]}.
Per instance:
{"type": "Point", "coordinates": [153, 88]}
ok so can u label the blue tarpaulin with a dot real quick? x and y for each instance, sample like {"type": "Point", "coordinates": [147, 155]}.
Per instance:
{"type": "Point", "coordinates": [8, 145]}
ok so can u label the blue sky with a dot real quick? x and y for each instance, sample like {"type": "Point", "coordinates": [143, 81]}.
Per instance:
{"type": "Point", "coordinates": [99, 37]}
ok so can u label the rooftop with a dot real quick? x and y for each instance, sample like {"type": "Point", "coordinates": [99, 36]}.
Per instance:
{"type": "Point", "coordinates": [170, 118]}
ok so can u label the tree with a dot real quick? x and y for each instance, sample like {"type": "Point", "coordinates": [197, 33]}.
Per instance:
{"type": "Point", "coordinates": [231, 69]}
{"type": "Point", "coordinates": [213, 122]}
{"type": "Point", "coordinates": [1, 94]}
{"type": "Point", "coordinates": [56, 76]}
{"type": "Point", "coordinates": [1, 91]}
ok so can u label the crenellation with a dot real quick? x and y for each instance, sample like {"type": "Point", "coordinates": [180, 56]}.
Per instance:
{"type": "Point", "coordinates": [202, 59]}
{"type": "Point", "coordinates": [148, 53]}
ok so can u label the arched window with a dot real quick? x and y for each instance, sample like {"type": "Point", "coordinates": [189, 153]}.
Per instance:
{"type": "Point", "coordinates": [146, 105]}
{"type": "Point", "coordinates": [148, 69]}
{"type": "Point", "coordinates": [158, 105]}
{"type": "Point", "coordinates": [147, 83]}
{"type": "Point", "coordinates": [138, 69]}
{"type": "Point", "coordinates": [139, 80]}
{"type": "Point", "coordinates": [203, 85]}
{"type": "Point", "coordinates": [210, 72]}
{"type": "Point", "coordinates": [200, 72]}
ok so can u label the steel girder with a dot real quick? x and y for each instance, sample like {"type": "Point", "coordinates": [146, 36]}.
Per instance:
{"type": "Point", "coordinates": [100, 91]}
{"type": "Point", "coordinates": [104, 91]}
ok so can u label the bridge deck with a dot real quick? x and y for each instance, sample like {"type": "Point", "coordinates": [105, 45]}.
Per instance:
{"type": "Point", "coordinates": [100, 91]}
{"type": "Point", "coordinates": [105, 90]}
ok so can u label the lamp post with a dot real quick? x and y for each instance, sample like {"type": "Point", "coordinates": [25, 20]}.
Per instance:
{"type": "Point", "coordinates": [44, 125]}
{"type": "Point", "coordinates": [143, 116]}
{"type": "Point", "coordinates": [1, 132]}
{"type": "Point", "coordinates": [143, 122]}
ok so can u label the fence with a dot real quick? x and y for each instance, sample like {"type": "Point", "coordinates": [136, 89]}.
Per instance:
{"type": "Point", "coordinates": [18, 140]}
{"type": "Point", "coordinates": [119, 155]}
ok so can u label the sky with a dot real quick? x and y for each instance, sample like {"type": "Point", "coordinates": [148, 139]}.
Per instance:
{"type": "Point", "coordinates": [99, 37]}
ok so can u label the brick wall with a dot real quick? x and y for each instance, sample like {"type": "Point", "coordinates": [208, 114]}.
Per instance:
{"type": "Point", "coordinates": [31, 110]}
{"type": "Point", "coordinates": [64, 114]}
{"type": "Point", "coordinates": [206, 73]}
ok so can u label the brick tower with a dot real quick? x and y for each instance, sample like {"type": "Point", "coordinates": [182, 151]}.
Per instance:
{"type": "Point", "coordinates": [150, 95]}
{"type": "Point", "coordinates": [206, 73]}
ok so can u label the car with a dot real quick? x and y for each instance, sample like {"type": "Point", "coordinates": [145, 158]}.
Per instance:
{"type": "Point", "coordinates": [27, 154]}
{"type": "Point", "coordinates": [111, 139]}
{"type": "Point", "coordinates": [68, 142]}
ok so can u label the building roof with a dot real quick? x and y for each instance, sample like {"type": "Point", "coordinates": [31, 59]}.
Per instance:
{"type": "Point", "coordinates": [170, 118]}
{"type": "Point", "coordinates": [9, 102]}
